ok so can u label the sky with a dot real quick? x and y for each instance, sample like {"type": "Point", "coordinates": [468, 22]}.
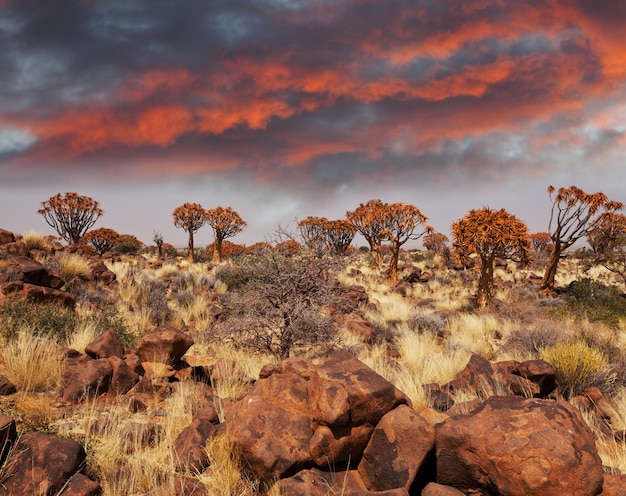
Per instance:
{"type": "Point", "coordinates": [283, 109]}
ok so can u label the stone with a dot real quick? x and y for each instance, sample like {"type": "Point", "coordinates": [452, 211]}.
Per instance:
{"type": "Point", "coordinates": [8, 436]}
{"type": "Point", "coordinates": [41, 464]}
{"type": "Point", "coordinates": [123, 377]}
{"type": "Point", "coordinates": [401, 451]}
{"type": "Point", "coordinates": [6, 386]}
{"type": "Point", "coordinates": [360, 327]}
{"type": "Point", "coordinates": [81, 485]}
{"type": "Point", "coordinates": [106, 345]}
{"type": "Point", "coordinates": [434, 489]}
{"type": "Point", "coordinates": [540, 372]}
{"type": "Point", "coordinates": [516, 446]}
{"type": "Point", "coordinates": [271, 426]}
{"type": "Point", "coordinates": [163, 344]}
{"type": "Point", "coordinates": [189, 447]}
{"type": "Point", "coordinates": [84, 378]}
{"type": "Point", "coordinates": [614, 485]}
{"type": "Point", "coordinates": [6, 237]}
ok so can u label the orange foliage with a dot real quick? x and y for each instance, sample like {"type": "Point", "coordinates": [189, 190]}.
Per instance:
{"type": "Point", "coordinates": [70, 215]}
{"type": "Point", "coordinates": [490, 234]}
{"type": "Point", "coordinates": [288, 247]}
{"type": "Point", "coordinates": [572, 217]}
{"type": "Point", "coordinates": [229, 249]}
{"type": "Point", "coordinates": [437, 243]}
{"type": "Point", "coordinates": [102, 239]}
{"type": "Point", "coordinates": [226, 223]}
{"type": "Point", "coordinates": [190, 217]}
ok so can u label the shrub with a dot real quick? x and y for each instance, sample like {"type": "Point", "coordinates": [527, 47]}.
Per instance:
{"type": "Point", "coordinates": [595, 301]}
{"type": "Point", "coordinates": [35, 241]}
{"type": "Point", "coordinates": [72, 265]}
{"type": "Point", "coordinates": [578, 366]}
{"type": "Point", "coordinates": [233, 276]}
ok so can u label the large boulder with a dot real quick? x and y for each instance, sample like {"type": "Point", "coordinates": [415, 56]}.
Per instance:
{"type": "Point", "coordinates": [84, 377]}
{"type": "Point", "coordinates": [271, 426]}
{"type": "Point", "coordinates": [41, 464]}
{"type": "Point", "coordinates": [106, 345]}
{"type": "Point", "coordinates": [400, 451]}
{"type": "Point", "coordinates": [516, 446]}
{"type": "Point", "coordinates": [347, 399]}
{"type": "Point", "coordinates": [189, 449]}
{"type": "Point", "coordinates": [163, 344]}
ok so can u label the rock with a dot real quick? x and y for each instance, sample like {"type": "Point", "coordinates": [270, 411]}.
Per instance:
{"type": "Point", "coordinates": [360, 327]}
{"type": "Point", "coordinates": [271, 426]}
{"type": "Point", "coordinates": [400, 452]}
{"type": "Point", "coordinates": [163, 344]}
{"type": "Point", "coordinates": [189, 448]}
{"type": "Point", "coordinates": [517, 446]}
{"type": "Point", "coordinates": [26, 270]}
{"type": "Point", "coordinates": [434, 489]}
{"type": "Point", "coordinates": [8, 436]}
{"type": "Point", "coordinates": [15, 249]}
{"type": "Point", "coordinates": [81, 485]}
{"type": "Point", "coordinates": [6, 386]}
{"type": "Point", "coordinates": [41, 464]}
{"type": "Point", "coordinates": [123, 377]}
{"type": "Point", "coordinates": [539, 372]}
{"type": "Point", "coordinates": [344, 392]}
{"type": "Point", "coordinates": [85, 377]}
{"type": "Point", "coordinates": [6, 237]}
{"type": "Point", "coordinates": [614, 485]}
{"type": "Point", "coordinates": [479, 376]}
{"type": "Point", "coordinates": [106, 345]}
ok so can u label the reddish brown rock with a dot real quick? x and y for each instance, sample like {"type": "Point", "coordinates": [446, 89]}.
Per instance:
{"type": "Point", "coordinates": [271, 426]}
{"type": "Point", "coordinates": [614, 485]}
{"type": "Point", "coordinates": [539, 372]}
{"type": "Point", "coordinates": [163, 344]}
{"type": "Point", "coordinates": [123, 377]}
{"type": "Point", "coordinates": [360, 327]}
{"type": "Point", "coordinates": [106, 345]}
{"type": "Point", "coordinates": [85, 377]}
{"type": "Point", "coordinates": [8, 436]}
{"type": "Point", "coordinates": [41, 464]}
{"type": "Point", "coordinates": [480, 376]}
{"type": "Point", "coordinates": [346, 399]}
{"type": "Point", "coordinates": [434, 489]}
{"type": "Point", "coordinates": [15, 249]}
{"type": "Point", "coordinates": [400, 451]}
{"type": "Point", "coordinates": [517, 446]}
{"type": "Point", "coordinates": [189, 448]}
{"type": "Point", "coordinates": [42, 294]}
{"type": "Point", "coordinates": [6, 237]}
{"type": "Point", "coordinates": [6, 386]}
{"type": "Point", "coordinates": [81, 485]}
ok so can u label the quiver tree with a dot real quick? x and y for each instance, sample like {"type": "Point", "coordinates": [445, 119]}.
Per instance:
{"type": "Point", "coordinates": [70, 215]}
{"type": "Point", "coordinates": [190, 217]}
{"type": "Point", "coordinates": [607, 239]}
{"type": "Point", "coordinates": [491, 234]}
{"type": "Point", "coordinates": [571, 217]}
{"type": "Point", "coordinates": [438, 243]}
{"type": "Point", "coordinates": [158, 241]}
{"type": "Point", "coordinates": [313, 231]}
{"type": "Point", "coordinates": [225, 223]}
{"type": "Point", "coordinates": [402, 223]}
{"type": "Point", "coordinates": [102, 239]}
{"type": "Point", "coordinates": [339, 236]}
{"type": "Point", "coordinates": [370, 220]}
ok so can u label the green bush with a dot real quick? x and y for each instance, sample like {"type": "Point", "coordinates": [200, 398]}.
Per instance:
{"type": "Point", "coordinates": [56, 322]}
{"type": "Point", "coordinates": [593, 300]}
{"type": "Point", "coordinates": [234, 277]}
{"type": "Point", "coordinates": [578, 366]}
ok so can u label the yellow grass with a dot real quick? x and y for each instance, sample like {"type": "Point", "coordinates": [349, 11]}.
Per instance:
{"type": "Point", "coordinates": [32, 364]}
{"type": "Point", "coordinates": [72, 265]}
{"type": "Point", "coordinates": [35, 240]}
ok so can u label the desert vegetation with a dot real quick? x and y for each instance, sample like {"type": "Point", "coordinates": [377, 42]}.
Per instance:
{"type": "Point", "coordinates": [417, 324]}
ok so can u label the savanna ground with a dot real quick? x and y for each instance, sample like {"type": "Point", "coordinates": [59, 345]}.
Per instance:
{"type": "Point", "coordinates": [423, 336]}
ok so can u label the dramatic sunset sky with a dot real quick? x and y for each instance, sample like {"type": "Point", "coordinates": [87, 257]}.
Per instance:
{"type": "Point", "coordinates": [287, 108]}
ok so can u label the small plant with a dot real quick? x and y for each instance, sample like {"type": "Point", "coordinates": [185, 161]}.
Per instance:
{"type": "Point", "coordinates": [50, 321]}
{"type": "Point", "coordinates": [578, 366]}
{"type": "Point", "coordinates": [72, 265]}
{"type": "Point", "coordinates": [33, 364]}
{"type": "Point", "coordinates": [35, 241]}
{"type": "Point", "coordinates": [595, 301]}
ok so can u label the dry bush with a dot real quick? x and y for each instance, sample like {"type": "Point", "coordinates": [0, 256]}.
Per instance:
{"type": "Point", "coordinates": [33, 364]}
{"type": "Point", "coordinates": [578, 366]}
{"type": "Point", "coordinates": [35, 241]}
{"type": "Point", "coordinates": [73, 265]}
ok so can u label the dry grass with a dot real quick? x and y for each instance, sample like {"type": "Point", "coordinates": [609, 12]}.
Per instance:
{"type": "Point", "coordinates": [72, 265]}
{"type": "Point", "coordinates": [33, 364]}
{"type": "Point", "coordinates": [35, 241]}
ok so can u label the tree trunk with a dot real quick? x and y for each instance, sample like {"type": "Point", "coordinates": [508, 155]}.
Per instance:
{"type": "Point", "coordinates": [547, 283]}
{"type": "Point", "coordinates": [392, 272]}
{"type": "Point", "coordinates": [484, 295]}
{"type": "Point", "coordinates": [217, 249]}
{"type": "Point", "coordinates": [377, 255]}
{"type": "Point", "coordinates": [190, 255]}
